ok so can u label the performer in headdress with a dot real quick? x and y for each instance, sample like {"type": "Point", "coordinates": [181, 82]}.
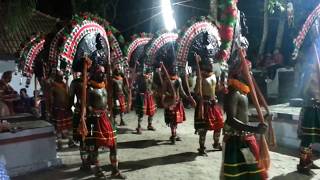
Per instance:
{"type": "Point", "coordinates": [309, 83]}
{"type": "Point", "coordinates": [203, 40]}
{"type": "Point", "coordinates": [60, 112]}
{"type": "Point", "coordinates": [173, 93]}
{"type": "Point", "coordinates": [144, 82]}
{"type": "Point", "coordinates": [241, 152]}
{"type": "Point", "coordinates": [119, 85]}
{"type": "Point", "coordinates": [145, 104]}
{"type": "Point", "coordinates": [161, 52]}
{"type": "Point", "coordinates": [90, 56]}
{"type": "Point", "coordinates": [208, 115]}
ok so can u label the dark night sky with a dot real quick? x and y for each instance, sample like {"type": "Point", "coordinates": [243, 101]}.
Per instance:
{"type": "Point", "coordinates": [135, 16]}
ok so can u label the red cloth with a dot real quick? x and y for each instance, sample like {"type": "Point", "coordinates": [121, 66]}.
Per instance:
{"type": "Point", "coordinates": [62, 119]}
{"type": "Point", "coordinates": [176, 113]}
{"type": "Point", "coordinates": [104, 134]}
{"type": "Point", "coordinates": [254, 147]}
{"type": "Point", "coordinates": [149, 104]}
{"type": "Point", "coordinates": [122, 102]}
{"type": "Point", "coordinates": [213, 114]}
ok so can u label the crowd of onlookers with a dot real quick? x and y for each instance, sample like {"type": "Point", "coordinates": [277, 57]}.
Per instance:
{"type": "Point", "coordinates": [12, 103]}
{"type": "Point", "coordinates": [270, 63]}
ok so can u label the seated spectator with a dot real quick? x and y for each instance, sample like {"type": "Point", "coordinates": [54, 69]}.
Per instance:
{"type": "Point", "coordinates": [277, 57]}
{"type": "Point", "coordinates": [24, 104]}
{"type": "Point", "coordinates": [276, 62]}
{"type": "Point", "coordinates": [7, 94]}
{"type": "Point", "coordinates": [36, 104]}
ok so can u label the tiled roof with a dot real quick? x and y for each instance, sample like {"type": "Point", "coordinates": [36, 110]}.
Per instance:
{"type": "Point", "coordinates": [10, 41]}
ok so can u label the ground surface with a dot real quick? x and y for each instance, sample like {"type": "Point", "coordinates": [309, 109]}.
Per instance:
{"type": "Point", "coordinates": [150, 156]}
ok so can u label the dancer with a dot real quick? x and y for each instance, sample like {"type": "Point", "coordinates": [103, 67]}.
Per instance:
{"type": "Point", "coordinates": [144, 99]}
{"type": "Point", "coordinates": [208, 115]}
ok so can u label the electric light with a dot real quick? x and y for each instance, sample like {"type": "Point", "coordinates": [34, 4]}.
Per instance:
{"type": "Point", "coordinates": [167, 14]}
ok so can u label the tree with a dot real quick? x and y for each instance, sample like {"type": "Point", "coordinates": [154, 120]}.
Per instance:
{"type": "Point", "coordinates": [265, 29]}
{"type": "Point", "coordinates": [103, 8]}
{"type": "Point", "coordinates": [214, 10]}
{"type": "Point", "coordinates": [279, 5]}
{"type": "Point", "coordinates": [14, 12]}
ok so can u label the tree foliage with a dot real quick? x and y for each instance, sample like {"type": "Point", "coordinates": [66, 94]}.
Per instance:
{"type": "Point", "coordinates": [103, 8]}
{"type": "Point", "coordinates": [277, 5]}
{"type": "Point", "coordinates": [16, 11]}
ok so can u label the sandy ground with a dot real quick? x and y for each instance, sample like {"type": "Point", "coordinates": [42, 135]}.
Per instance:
{"type": "Point", "coordinates": [151, 156]}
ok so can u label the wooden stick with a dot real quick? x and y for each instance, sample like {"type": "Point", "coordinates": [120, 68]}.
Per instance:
{"type": "Point", "coordinates": [109, 83]}
{"type": "Point", "coordinates": [83, 130]}
{"type": "Point", "coordinates": [130, 85]}
{"type": "Point", "coordinates": [172, 90]}
{"type": "Point", "coordinates": [264, 160]}
{"type": "Point", "coordinates": [35, 92]}
{"type": "Point", "coordinates": [271, 134]}
{"type": "Point", "coordinates": [200, 103]}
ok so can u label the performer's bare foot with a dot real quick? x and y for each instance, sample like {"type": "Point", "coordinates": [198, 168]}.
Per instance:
{"type": "Point", "coordinates": [202, 152]}
{"type": "Point", "coordinates": [173, 140]}
{"type": "Point", "coordinates": [99, 173]}
{"type": "Point", "coordinates": [217, 146]}
{"type": "Point", "coordinates": [139, 131]}
{"type": "Point", "coordinates": [85, 167]}
{"type": "Point", "coordinates": [72, 144]}
{"type": "Point", "coordinates": [59, 145]}
{"type": "Point", "coordinates": [117, 175]}
{"type": "Point", "coordinates": [304, 170]}
{"type": "Point", "coordinates": [122, 123]}
{"type": "Point", "coordinates": [151, 128]}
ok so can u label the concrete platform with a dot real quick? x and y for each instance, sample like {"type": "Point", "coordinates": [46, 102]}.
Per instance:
{"type": "Point", "coordinates": [30, 148]}
{"type": "Point", "coordinates": [285, 124]}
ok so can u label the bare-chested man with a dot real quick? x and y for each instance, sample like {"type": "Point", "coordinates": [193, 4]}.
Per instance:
{"type": "Point", "coordinates": [211, 117]}
{"type": "Point", "coordinates": [174, 112]}
{"type": "Point", "coordinates": [119, 98]}
{"type": "Point", "coordinates": [102, 132]}
{"type": "Point", "coordinates": [60, 112]}
{"type": "Point", "coordinates": [144, 100]}
{"type": "Point", "coordinates": [241, 151]}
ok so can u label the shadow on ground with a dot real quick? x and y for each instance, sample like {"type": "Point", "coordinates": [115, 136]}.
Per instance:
{"type": "Point", "coordinates": [123, 130]}
{"type": "Point", "coordinates": [292, 175]}
{"type": "Point", "coordinates": [63, 172]}
{"type": "Point", "coordinates": [158, 161]}
{"type": "Point", "coordinates": [140, 144]}
{"type": "Point", "coordinates": [72, 171]}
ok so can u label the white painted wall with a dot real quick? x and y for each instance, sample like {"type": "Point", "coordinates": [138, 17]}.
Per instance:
{"type": "Point", "coordinates": [16, 79]}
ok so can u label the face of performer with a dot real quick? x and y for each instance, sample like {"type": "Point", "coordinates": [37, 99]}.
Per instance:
{"type": "Point", "coordinates": [59, 77]}
{"type": "Point", "coordinates": [99, 74]}
{"type": "Point", "coordinates": [147, 75]}
{"type": "Point", "coordinates": [172, 71]}
{"type": "Point", "coordinates": [23, 93]}
{"type": "Point", "coordinates": [117, 70]}
{"type": "Point", "coordinates": [206, 69]}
